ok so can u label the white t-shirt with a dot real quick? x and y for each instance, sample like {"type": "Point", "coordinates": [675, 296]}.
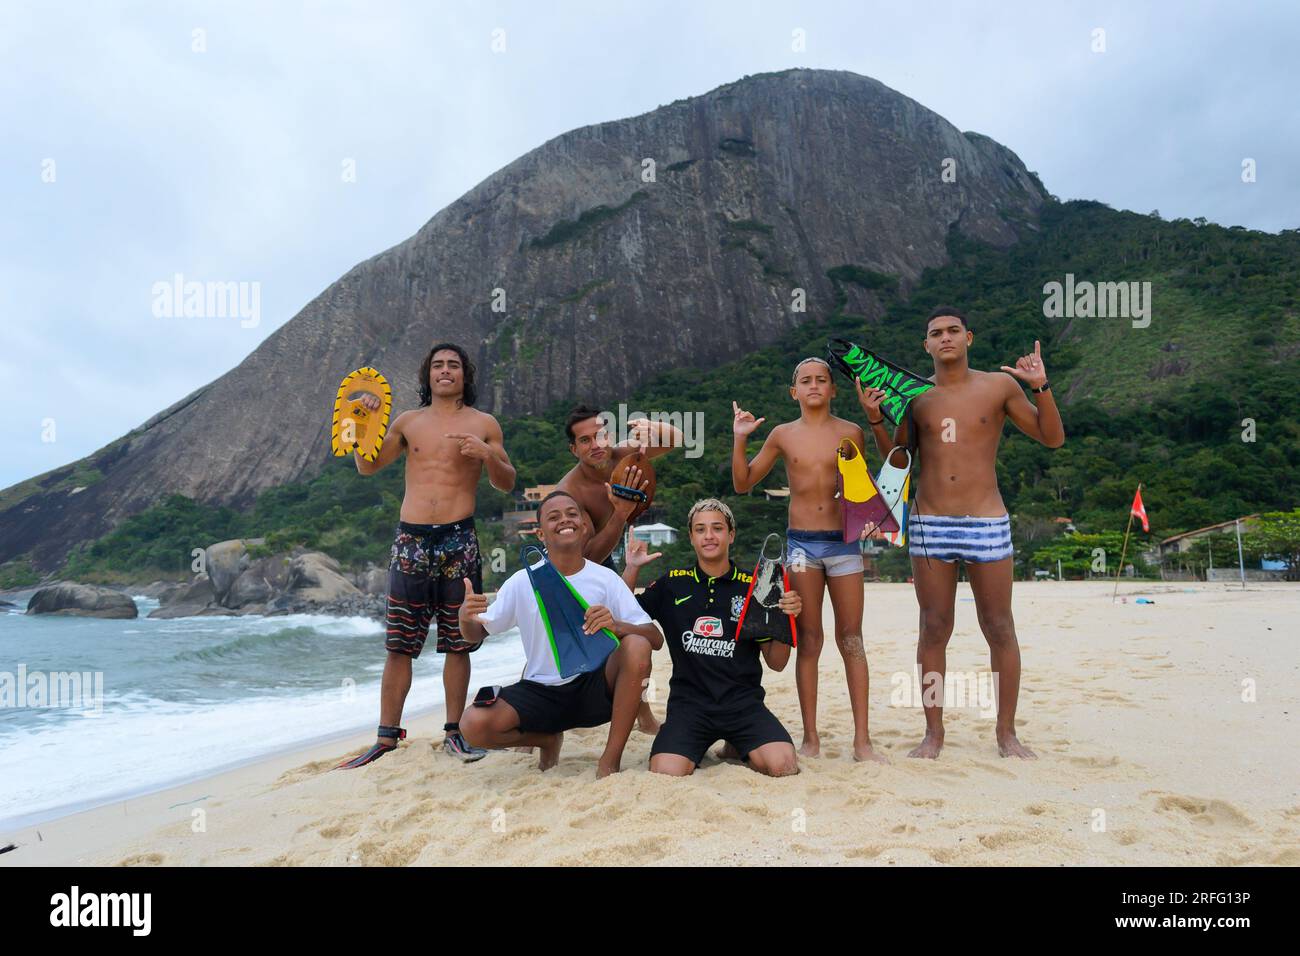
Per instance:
{"type": "Point", "coordinates": [516, 606]}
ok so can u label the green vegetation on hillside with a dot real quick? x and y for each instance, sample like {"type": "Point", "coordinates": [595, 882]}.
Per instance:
{"type": "Point", "coordinates": [1226, 308]}
{"type": "Point", "coordinates": [569, 229]}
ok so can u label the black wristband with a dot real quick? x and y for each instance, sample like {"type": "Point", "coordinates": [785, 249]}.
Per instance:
{"type": "Point", "coordinates": [1046, 386]}
{"type": "Point", "coordinates": [874, 424]}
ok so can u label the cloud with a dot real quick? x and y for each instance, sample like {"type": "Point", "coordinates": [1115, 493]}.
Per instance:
{"type": "Point", "coordinates": [225, 165]}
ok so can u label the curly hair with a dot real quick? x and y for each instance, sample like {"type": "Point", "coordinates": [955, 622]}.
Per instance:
{"type": "Point", "coordinates": [470, 393]}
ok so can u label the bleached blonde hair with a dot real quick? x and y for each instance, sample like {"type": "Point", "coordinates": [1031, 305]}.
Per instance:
{"type": "Point", "coordinates": [711, 504]}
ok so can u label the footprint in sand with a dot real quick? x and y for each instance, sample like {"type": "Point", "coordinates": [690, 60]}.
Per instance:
{"type": "Point", "coordinates": [865, 852]}
{"type": "Point", "coordinates": [1106, 695]}
{"type": "Point", "coordinates": [1036, 809]}
{"type": "Point", "coordinates": [941, 771]}
{"type": "Point", "coordinates": [859, 801]}
{"type": "Point", "coordinates": [639, 853]}
{"type": "Point", "coordinates": [586, 820]}
{"type": "Point", "coordinates": [994, 769]}
{"type": "Point", "coordinates": [307, 770]}
{"type": "Point", "coordinates": [390, 853]}
{"type": "Point", "coordinates": [1005, 838]}
{"type": "Point", "coordinates": [1215, 813]}
{"type": "Point", "coordinates": [516, 834]}
{"type": "Point", "coordinates": [142, 859]}
{"type": "Point", "coordinates": [930, 802]}
{"type": "Point", "coordinates": [1266, 856]}
{"type": "Point", "coordinates": [1095, 763]}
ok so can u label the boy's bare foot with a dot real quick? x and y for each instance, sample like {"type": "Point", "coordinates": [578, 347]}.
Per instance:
{"type": "Point", "coordinates": [811, 746]}
{"type": "Point", "coordinates": [1009, 745]}
{"type": "Point", "coordinates": [865, 751]}
{"type": "Point", "coordinates": [604, 769]}
{"type": "Point", "coordinates": [929, 747]}
{"type": "Point", "coordinates": [549, 754]}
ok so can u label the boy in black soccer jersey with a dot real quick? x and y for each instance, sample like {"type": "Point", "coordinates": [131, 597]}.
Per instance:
{"type": "Point", "coordinates": [716, 691]}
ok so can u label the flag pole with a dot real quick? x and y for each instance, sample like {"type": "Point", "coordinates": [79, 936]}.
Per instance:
{"type": "Point", "coordinates": [1124, 550]}
{"type": "Point", "coordinates": [1241, 561]}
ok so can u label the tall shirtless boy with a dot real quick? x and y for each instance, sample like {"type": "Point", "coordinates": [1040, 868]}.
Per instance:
{"type": "Point", "coordinates": [958, 514]}
{"type": "Point", "coordinates": [447, 443]}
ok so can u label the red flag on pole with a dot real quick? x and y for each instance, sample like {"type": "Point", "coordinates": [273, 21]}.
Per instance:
{"type": "Point", "coordinates": [1139, 510]}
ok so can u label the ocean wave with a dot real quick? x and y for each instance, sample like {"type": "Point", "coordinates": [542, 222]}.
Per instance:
{"type": "Point", "coordinates": [146, 743]}
{"type": "Point", "coordinates": [246, 645]}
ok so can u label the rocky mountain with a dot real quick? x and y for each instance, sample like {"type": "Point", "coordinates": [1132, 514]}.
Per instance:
{"type": "Point", "coordinates": [678, 238]}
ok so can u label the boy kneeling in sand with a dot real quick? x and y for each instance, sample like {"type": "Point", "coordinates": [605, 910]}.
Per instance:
{"type": "Point", "coordinates": [537, 710]}
{"type": "Point", "coordinates": [716, 691]}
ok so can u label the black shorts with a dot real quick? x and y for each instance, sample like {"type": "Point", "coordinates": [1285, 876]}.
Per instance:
{"type": "Point", "coordinates": [689, 730]}
{"type": "Point", "coordinates": [585, 701]}
{"type": "Point", "coordinates": [426, 585]}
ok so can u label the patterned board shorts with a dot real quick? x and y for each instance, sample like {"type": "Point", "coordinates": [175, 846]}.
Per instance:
{"type": "Point", "coordinates": [426, 581]}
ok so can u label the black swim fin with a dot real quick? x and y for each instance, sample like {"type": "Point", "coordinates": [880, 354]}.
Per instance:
{"type": "Point", "coordinates": [370, 756]}
{"type": "Point", "coordinates": [378, 750]}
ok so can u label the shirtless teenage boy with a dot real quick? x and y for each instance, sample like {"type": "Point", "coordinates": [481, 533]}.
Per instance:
{"type": "Point", "coordinates": [588, 482]}
{"type": "Point", "coordinates": [447, 443]}
{"type": "Point", "coordinates": [958, 514]}
{"type": "Point", "coordinates": [815, 545]}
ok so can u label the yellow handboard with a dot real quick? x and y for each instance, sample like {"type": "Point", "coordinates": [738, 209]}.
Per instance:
{"type": "Point", "coordinates": [355, 427]}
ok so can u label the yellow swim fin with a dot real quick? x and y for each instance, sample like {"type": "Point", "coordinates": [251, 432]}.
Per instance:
{"type": "Point", "coordinates": [861, 505]}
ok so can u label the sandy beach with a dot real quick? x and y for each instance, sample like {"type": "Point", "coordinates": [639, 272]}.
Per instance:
{"type": "Point", "coordinates": [1149, 755]}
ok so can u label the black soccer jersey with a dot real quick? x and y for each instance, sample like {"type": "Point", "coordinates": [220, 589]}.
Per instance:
{"type": "Point", "coordinates": [698, 615]}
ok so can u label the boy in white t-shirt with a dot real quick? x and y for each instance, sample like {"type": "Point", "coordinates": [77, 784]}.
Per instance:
{"type": "Point", "coordinates": [537, 710]}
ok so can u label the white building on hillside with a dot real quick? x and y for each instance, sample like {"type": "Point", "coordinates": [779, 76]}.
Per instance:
{"type": "Point", "coordinates": [655, 534]}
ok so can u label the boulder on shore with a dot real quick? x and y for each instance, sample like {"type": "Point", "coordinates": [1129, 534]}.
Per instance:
{"type": "Point", "coordinates": [155, 589]}
{"type": "Point", "coordinates": [304, 582]}
{"type": "Point", "coordinates": [224, 562]}
{"type": "Point", "coordinates": [262, 580]}
{"type": "Point", "coordinates": [372, 581]}
{"type": "Point", "coordinates": [185, 600]}
{"type": "Point", "coordinates": [315, 577]}
{"type": "Point", "coordinates": [82, 600]}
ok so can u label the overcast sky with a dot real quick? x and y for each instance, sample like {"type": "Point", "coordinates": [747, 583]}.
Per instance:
{"type": "Point", "coordinates": [133, 148]}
